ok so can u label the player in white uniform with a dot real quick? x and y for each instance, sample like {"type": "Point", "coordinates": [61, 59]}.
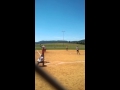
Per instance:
{"type": "Point", "coordinates": [40, 59]}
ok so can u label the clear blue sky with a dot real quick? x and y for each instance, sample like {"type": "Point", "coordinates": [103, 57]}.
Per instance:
{"type": "Point", "coordinates": [54, 16]}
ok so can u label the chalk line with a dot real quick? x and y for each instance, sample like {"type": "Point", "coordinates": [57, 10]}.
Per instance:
{"type": "Point", "coordinates": [70, 62]}
{"type": "Point", "coordinates": [38, 53]}
{"type": "Point", "coordinates": [53, 63]}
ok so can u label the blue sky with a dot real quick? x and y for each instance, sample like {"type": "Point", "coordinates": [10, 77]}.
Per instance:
{"type": "Point", "coordinates": [54, 16]}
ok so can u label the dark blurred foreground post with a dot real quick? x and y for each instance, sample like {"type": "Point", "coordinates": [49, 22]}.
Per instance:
{"type": "Point", "coordinates": [48, 78]}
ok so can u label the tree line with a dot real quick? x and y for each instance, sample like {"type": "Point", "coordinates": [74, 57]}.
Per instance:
{"type": "Point", "coordinates": [61, 41]}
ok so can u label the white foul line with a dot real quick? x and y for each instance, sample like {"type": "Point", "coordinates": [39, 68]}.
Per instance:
{"type": "Point", "coordinates": [65, 62]}
{"type": "Point", "coordinates": [69, 62]}
{"type": "Point", "coordinates": [38, 53]}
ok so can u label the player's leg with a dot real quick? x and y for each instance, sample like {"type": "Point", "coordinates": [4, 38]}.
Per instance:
{"type": "Point", "coordinates": [43, 59]}
{"type": "Point", "coordinates": [38, 61]}
{"type": "Point", "coordinates": [79, 53]}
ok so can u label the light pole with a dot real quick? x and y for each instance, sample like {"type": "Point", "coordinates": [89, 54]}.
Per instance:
{"type": "Point", "coordinates": [63, 37]}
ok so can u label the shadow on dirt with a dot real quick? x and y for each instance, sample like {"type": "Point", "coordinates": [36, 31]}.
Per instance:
{"type": "Point", "coordinates": [43, 66]}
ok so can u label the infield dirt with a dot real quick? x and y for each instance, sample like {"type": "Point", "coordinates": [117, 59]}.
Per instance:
{"type": "Point", "coordinates": [66, 67]}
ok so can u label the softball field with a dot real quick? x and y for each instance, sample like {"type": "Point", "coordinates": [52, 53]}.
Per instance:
{"type": "Point", "coordinates": [66, 67]}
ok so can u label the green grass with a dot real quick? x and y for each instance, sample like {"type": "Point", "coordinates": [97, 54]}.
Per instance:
{"type": "Point", "coordinates": [60, 46]}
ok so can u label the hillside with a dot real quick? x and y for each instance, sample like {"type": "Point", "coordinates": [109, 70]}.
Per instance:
{"type": "Point", "coordinates": [61, 41]}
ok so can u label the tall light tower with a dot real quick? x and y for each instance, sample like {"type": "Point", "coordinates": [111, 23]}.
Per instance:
{"type": "Point", "coordinates": [63, 37]}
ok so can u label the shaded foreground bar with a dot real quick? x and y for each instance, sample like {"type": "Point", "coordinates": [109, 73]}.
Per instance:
{"type": "Point", "coordinates": [48, 78]}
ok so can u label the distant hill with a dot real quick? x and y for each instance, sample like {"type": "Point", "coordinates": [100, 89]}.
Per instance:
{"type": "Point", "coordinates": [81, 41]}
{"type": "Point", "coordinates": [61, 41]}
{"type": "Point", "coordinates": [52, 41]}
